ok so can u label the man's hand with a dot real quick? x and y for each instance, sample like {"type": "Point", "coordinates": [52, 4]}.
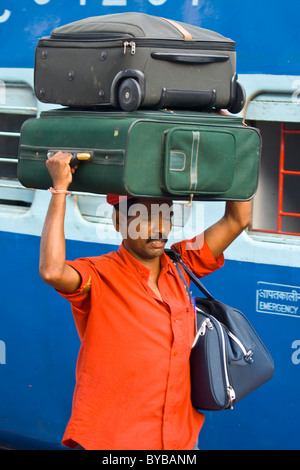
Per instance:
{"type": "Point", "coordinates": [60, 170]}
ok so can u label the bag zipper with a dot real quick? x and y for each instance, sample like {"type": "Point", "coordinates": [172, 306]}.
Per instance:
{"type": "Point", "coordinates": [230, 390]}
{"type": "Point", "coordinates": [247, 354]}
{"type": "Point", "coordinates": [132, 47]}
{"type": "Point", "coordinates": [182, 44]}
{"type": "Point", "coordinates": [143, 42]}
{"type": "Point", "coordinates": [201, 332]}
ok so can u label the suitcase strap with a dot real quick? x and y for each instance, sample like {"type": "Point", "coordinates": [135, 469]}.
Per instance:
{"type": "Point", "coordinates": [186, 35]}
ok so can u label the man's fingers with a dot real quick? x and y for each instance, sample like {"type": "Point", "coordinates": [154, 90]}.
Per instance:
{"type": "Point", "coordinates": [63, 156]}
{"type": "Point", "coordinates": [73, 169]}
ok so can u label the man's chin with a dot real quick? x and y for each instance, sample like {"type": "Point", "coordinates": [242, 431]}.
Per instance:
{"type": "Point", "coordinates": [155, 248]}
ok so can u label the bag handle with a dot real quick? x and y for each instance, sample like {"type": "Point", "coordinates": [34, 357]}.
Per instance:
{"type": "Point", "coordinates": [78, 156]}
{"type": "Point", "coordinates": [175, 256]}
{"type": "Point", "coordinates": [189, 57]}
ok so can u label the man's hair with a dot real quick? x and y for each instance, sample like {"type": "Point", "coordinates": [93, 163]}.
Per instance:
{"type": "Point", "coordinates": [125, 205]}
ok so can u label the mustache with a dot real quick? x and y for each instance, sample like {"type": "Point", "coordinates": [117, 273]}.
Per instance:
{"type": "Point", "coordinates": [158, 236]}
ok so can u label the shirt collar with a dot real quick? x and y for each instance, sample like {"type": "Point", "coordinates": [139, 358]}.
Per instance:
{"type": "Point", "coordinates": [134, 264]}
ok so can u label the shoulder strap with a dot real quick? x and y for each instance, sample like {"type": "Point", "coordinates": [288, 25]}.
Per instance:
{"type": "Point", "coordinates": [175, 256]}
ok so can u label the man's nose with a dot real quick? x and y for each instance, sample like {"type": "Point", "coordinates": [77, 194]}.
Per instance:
{"type": "Point", "coordinates": [161, 225]}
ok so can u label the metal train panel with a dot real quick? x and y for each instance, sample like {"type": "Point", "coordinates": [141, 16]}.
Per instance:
{"type": "Point", "coordinates": [265, 34]}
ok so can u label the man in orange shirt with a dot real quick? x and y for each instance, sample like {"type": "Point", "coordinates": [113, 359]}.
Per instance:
{"type": "Point", "coordinates": [135, 321]}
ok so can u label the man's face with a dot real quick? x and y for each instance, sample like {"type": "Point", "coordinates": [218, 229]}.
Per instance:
{"type": "Point", "coordinates": [146, 229]}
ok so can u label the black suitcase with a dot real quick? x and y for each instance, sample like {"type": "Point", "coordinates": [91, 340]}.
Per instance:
{"type": "Point", "coordinates": [133, 60]}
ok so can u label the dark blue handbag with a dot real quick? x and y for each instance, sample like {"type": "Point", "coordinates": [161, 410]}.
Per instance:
{"type": "Point", "coordinates": [228, 360]}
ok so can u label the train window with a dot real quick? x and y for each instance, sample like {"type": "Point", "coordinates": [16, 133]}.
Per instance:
{"type": "Point", "coordinates": [14, 197]}
{"type": "Point", "coordinates": [17, 104]}
{"type": "Point", "coordinates": [93, 207]}
{"type": "Point", "coordinates": [276, 207]}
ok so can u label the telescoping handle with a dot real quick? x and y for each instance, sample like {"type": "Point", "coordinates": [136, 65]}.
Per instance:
{"type": "Point", "coordinates": [79, 156]}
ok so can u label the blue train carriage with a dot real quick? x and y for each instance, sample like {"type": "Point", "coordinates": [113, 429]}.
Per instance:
{"type": "Point", "coordinates": [38, 338]}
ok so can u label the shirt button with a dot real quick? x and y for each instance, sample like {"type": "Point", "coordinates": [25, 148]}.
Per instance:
{"type": "Point", "coordinates": [172, 387]}
{"type": "Point", "coordinates": [176, 353]}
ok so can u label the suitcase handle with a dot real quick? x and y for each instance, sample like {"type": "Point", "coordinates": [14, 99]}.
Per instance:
{"type": "Point", "coordinates": [79, 156]}
{"type": "Point", "coordinates": [189, 58]}
{"type": "Point", "coordinates": [200, 99]}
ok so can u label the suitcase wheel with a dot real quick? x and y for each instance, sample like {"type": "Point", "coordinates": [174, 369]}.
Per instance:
{"type": "Point", "coordinates": [240, 99]}
{"type": "Point", "coordinates": [129, 95]}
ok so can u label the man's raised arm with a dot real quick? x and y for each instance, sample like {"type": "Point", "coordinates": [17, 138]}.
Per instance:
{"type": "Point", "coordinates": [53, 269]}
{"type": "Point", "coordinates": [237, 217]}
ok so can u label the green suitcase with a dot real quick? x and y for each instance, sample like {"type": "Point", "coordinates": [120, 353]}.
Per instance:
{"type": "Point", "coordinates": [152, 154]}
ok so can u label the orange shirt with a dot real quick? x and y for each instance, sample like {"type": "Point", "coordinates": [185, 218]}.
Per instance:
{"type": "Point", "coordinates": [132, 377]}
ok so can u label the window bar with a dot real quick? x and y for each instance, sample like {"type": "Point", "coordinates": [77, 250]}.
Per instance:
{"type": "Point", "coordinates": [282, 173]}
{"type": "Point", "coordinates": [10, 134]}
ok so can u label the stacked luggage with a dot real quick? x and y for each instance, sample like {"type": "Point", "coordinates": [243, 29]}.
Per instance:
{"type": "Point", "coordinates": [142, 97]}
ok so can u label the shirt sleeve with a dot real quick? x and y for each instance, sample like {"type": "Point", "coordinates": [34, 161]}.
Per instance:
{"type": "Point", "coordinates": [80, 297]}
{"type": "Point", "coordinates": [196, 254]}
